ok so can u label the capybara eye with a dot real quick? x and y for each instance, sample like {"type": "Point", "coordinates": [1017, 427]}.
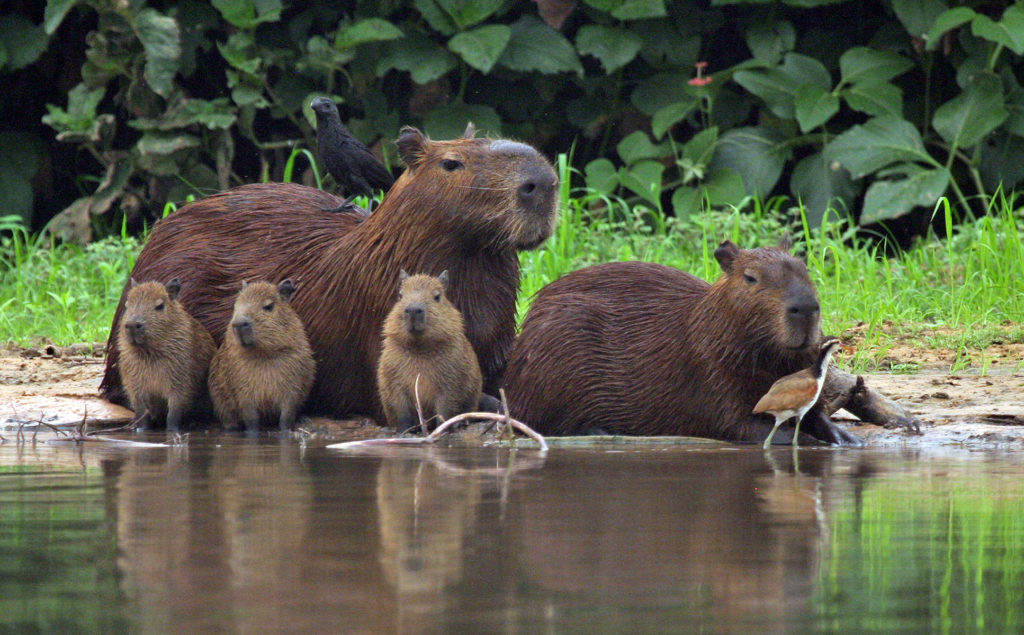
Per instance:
{"type": "Point", "coordinates": [268, 307]}
{"type": "Point", "coordinates": [451, 164]}
{"type": "Point", "coordinates": [437, 296]}
{"type": "Point", "coordinates": [749, 279]}
{"type": "Point", "coordinates": [159, 307]}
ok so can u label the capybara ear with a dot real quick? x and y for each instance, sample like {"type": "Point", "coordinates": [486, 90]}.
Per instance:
{"type": "Point", "coordinates": [135, 282]}
{"type": "Point", "coordinates": [412, 146]}
{"type": "Point", "coordinates": [470, 131]}
{"type": "Point", "coordinates": [285, 289]}
{"type": "Point", "coordinates": [725, 254]}
{"type": "Point", "coordinates": [785, 243]}
{"type": "Point", "coordinates": [444, 279]}
{"type": "Point", "coordinates": [173, 288]}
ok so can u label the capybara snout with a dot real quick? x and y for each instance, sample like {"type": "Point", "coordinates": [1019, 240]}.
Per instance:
{"type": "Point", "coordinates": [243, 329]}
{"type": "Point", "coordinates": [415, 317]}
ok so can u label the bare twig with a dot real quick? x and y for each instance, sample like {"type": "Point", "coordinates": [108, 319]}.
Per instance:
{"type": "Point", "coordinates": [436, 434]}
{"type": "Point", "coordinates": [419, 409]}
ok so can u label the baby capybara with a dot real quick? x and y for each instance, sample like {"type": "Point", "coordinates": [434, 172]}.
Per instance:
{"type": "Point", "coordinates": [165, 355]}
{"type": "Point", "coordinates": [424, 338]}
{"type": "Point", "coordinates": [639, 348]}
{"type": "Point", "coordinates": [466, 205]}
{"type": "Point", "coordinates": [264, 368]}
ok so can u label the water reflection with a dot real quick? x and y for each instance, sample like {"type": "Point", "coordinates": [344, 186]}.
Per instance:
{"type": "Point", "coordinates": [233, 534]}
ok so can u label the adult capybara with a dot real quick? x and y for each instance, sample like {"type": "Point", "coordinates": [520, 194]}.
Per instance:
{"type": "Point", "coordinates": [264, 367]}
{"type": "Point", "coordinates": [465, 205]}
{"type": "Point", "coordinates": [165, 353]}
{"type": "Point", "coordinates": [426, 352]}
{"type": "Point", "coordinates": [638, 348]}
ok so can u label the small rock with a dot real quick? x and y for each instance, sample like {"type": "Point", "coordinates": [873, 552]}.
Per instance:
{"type": "Point", "coordinates": [31, 352]}
{"type": "Point", "coordinates": [940, 395]}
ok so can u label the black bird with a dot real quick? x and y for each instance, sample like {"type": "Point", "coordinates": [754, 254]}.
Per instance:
{"type": "Point", "coordinates": [351, 163]}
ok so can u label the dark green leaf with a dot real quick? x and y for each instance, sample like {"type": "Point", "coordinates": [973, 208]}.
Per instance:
{"type": "Point", "coordinates": [918, 16]}
{"type": "Point", "coordinates": [240, 52]}
{"type": "Point", "coordinates": [161, 40]}
{"type": "Point", "coordinates": [890, 199]}
{"type": "Point", "coordinates": [466, 13]}
{"type": "Point", "coordinates": [863, 64]}
{"type": "Point", "coordinates": [636, 146]}
{"type": "Point", "coordinates": [643, 179]}
{"type": "Point", "coordinates": [247, 14]}
{"type": "Point", "coordinates": [369, 30]}
{"type": "Point", "coordinates": [725, 187]}
{"type": "Point", "coordinates": [20, 153]}
{"type": "Point", "coordinates": [877, 143]}
{"type": "Point", "coordinates": [23, 40]}
{"type": "Point", "coordinates": [482, 46]}
{"type": "Point", "coordinates": [878, 99]}
{"type": "Point", "coordinates": [769, 40]}
{"type": "Point", "coordinates": [217, 114]}
{"type": "Point", "coordinates": [778, 86]}
{"type": "Point", "coordinates": [696, 155]}
{"type": "Point", "coordinates": [820, 186]}
{"type": "Point", "coordinates": [448, 121]}
{"type": "Point", "coordinates": [755, 153]}
{"type": "Point", "coordinates": [165, 143]}
{"type": "Point", "coordinates": [968, 117]}
{"type": "Point", "coordinates": [81, 111]}
{"type": "Point", "coordinates": [614, 46]}
{"type": "Point", "coordinates": [814, 106]}
{"type": "Point", "coordinates": [665, 45]}
{"type": "Point", "coordinates": [54, 13]}
{"type": "Point", "coordinates": [659, 91]}
{"type": "Point", "coordinates": [947, 21]}
{"type": "Point", "coordinates": [630, 9]}
{"type": "Point", "coordinates": [687, 201]}
{"type": "Point", "coordinates": [436, 17]}
{"type": "Point", "coordinates": [672, 114]}
{"type": "Point", "coordinates": [535, 46]}
{"type": "Point", "coordinates": [320, 54]}
{"type": "Point", "coordinates": [1000, 164]}
{"type": "Point", "coordinates": [418, 54]}
{"type": "Point", "coordinates": [1009, 31]}
{"type": "Point", "coordinates": [601, 176]}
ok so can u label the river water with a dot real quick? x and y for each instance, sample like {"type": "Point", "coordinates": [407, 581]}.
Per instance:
{"type": "Point", "coordinates": [229, 534]}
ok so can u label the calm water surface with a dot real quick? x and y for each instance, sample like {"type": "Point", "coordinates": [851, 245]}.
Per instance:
{"type": "Point", "coordinates": [246, 535]}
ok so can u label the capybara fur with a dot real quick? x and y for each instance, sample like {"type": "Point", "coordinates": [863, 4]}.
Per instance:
{"type": "Point", "coordinates": [644, 349]}
{"type": "Point", "coordinates": [426, 352]}
{"type": "Point", "coordinates": [264, 368]}
{"type": "Point", "coordinates": [165, 355]}
{"type": "Point", "coordinates": [466, 206]}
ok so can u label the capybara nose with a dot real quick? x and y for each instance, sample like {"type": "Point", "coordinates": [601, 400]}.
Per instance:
{"type": "Point", "coordinates": [136, 331]}
{"type": "Point", "coordinates": [416, 315]}
{"type": "Point", "coordinates": [536, 186]}
{"type": "Point", "coordinates": [243, 329]}
{"type": "Point", "coordinates": [804, 307]}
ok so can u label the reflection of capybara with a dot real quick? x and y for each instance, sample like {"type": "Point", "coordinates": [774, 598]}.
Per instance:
{"type": "Point", "coordinates": [165, 354]}
{"type": "Point", "coordinates": [426, 352]}
{"type": "Point", "coordinates": [264, 368]}
{"type": "Point", "coordinates": [639, 348]}
{"type": "Point", "coordinates": [466, 205]}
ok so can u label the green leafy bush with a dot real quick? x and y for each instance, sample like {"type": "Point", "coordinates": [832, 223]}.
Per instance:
{"type": "Point", "coordinates": [870, 107]}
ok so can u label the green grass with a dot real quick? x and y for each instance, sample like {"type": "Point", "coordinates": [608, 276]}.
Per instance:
{"type": "Point", "coordinates": [962, 289]}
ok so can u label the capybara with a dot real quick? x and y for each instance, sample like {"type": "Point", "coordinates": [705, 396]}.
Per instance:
{"type": "Point", "coordinates": [465, 205]}
{"type": "Point", "coordinates": [264, 367]}
{"type": "Point", "coordinates": [165, 354]}
{"type": "Point", "coordinates": [639, 348]}
{"type": "Point", "coordinates": [426, 352]}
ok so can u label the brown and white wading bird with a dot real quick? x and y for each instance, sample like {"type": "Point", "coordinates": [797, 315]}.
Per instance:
{"type": "Point", "coordinates": [793, 395]}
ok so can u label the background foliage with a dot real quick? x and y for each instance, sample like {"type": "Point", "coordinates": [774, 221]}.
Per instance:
{"type": "Point", "coordinates": [873, 108]}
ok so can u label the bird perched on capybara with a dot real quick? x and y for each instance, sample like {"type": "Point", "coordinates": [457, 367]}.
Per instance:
{"type": "Point", "coordinates": [264, 367]}
{"type": "Point", "coordinates": [426, 352]}
{"type": "Point", "coordinates": [165, 354]}
{"type": "Point", "coordinates": [466, 205]}
{"type": "Point", "coordinates": [353, 166]}
{"type": "Point", "coordinates": [639, 348]}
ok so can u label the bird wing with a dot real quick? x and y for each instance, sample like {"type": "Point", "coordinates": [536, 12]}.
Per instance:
{"type": "Point", "coordinates": [788, 393]}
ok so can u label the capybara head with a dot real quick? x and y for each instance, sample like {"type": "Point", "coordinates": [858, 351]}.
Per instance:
{"type": "Point", "coordinates": [263, 320]}
{"type": "Point", "coordinates": [511, 183]}
{"type": "Point", "coordinates": [772, 292]}
{"type": "Point", "coordinates": [423, 316]}
{"type": "Point", "coordinates": [152, 313]}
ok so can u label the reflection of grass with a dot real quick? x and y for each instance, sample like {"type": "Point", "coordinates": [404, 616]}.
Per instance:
{"type": "Point", "coordinates": [927, 556]}
{"type": "Point", "coordinates": [961, 289]}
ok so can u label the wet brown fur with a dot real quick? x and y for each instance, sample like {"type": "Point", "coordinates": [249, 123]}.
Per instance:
{"type": "Point", "coordinates": [165, 375]}
{"type": "Point", "coordinates": [470, 221]}
{"type": "Point", "coordinates": [270, 378]}
{"type": "Point", "coordinates": [440, 356]}
{"type": "Point", "coordinates": [638, 348]}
